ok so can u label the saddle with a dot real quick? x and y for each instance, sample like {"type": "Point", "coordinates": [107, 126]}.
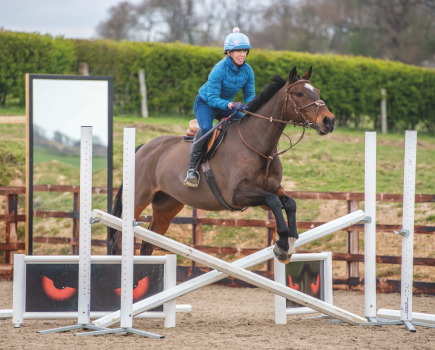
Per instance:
{"type": "Point", "coordinates": [215, 140]}
{"type": "Point", "coordinates": [213, 144]}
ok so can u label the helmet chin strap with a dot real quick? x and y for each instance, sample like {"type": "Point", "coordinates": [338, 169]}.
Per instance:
{"type": "Point", "coordinates": [237, 65]}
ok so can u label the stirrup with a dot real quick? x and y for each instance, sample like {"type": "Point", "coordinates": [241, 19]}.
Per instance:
{"type": "Point", "coordinates": [191, 184]}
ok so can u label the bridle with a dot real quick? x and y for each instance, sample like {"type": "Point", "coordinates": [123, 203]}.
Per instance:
{"type": "Point", "coordinates": [298, 110]}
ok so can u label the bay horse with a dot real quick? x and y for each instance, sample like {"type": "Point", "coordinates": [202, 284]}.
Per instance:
{"type": "Point", "coordinates": [246, 166]}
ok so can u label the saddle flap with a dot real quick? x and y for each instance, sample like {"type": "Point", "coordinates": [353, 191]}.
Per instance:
{"type": "Point", "coordinates": [217, 138]}
{"type": "Point", "coordinates": [213, 138]}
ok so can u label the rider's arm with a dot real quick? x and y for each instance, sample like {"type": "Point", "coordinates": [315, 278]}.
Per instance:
{"type": "Point", "coordinates": [249, 88]}
{"type": "Point", "coordinates": [214, 88]}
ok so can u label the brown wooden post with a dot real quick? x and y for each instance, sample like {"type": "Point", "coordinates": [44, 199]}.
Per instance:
{"type": "Point", "coordinates": [76, 224]}
{"type": "Point", "coordinates": [11, 226]}
{"type": "Point", "coordinates": [197, 232]}
{"type": "Point", "coordinates": [352, 242]}
{"type": "Point", "coordinates": [271, 238]}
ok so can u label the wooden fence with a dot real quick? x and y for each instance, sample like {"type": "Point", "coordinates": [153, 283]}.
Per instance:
{"type": "Point", "coordinates": [352, 256]}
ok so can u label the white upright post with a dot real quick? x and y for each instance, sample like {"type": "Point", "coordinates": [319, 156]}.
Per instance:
{"type": "Point", "coordinates": [408, 224]}
{"type": "Point", "coordinates": [328, 278]}
{"type": "Point", "coordinates": [370, 227]}
{"type": "Point", "coordinates": [84, 303]}
{"type": "Point", "coordinates": [280, 302]}
{"type": "Point", "coordinates": [84, 286]}
{"type": "Point", "coordinates": [127, 228]}
{"type": "Point", "coordinates": [170, 308]}
{"type": "Point", "coordinates": [19, 293]}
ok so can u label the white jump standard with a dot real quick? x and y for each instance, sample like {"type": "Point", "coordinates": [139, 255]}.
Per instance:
{"type": "Point", "coordinates": [84, 295]}
{"type": "Point", "coordinates": [405, 315]}
{"type": "Point", "coordinates": [128, 223]}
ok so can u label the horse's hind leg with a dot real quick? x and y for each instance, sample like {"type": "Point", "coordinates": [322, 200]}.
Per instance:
{"type": "Point", "coordinates": [165, 208]}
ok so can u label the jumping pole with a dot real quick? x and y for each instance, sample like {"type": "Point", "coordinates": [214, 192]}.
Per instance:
{"type": "Point", "coordinates": [215, 276]}
{"type": "Point", "coordinates": [232, 270]}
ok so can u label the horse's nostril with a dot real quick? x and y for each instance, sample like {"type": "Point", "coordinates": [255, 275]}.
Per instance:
{"type": "Point", "coordinates": [327, 121]}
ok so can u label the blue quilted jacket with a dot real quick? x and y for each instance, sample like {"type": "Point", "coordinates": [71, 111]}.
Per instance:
{"type": "Point", "coordinates": [225, 81]}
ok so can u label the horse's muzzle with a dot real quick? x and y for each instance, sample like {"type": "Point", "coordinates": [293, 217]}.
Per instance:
{"type": "Point", "coordinates": [328, 125]}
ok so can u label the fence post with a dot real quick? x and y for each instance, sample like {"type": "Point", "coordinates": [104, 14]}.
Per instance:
{"type": "Point", "coordinates": [352, 243]}
{"type": "Point", "coordinates": [11, 226]}
{"type": "Point", "coordinates": [197, 231]}
{"type": "Point", "coordinates": [384, 111]}
{"type": "Point", "coordinates": [271, 237]}
{"type": "Point", "coordinates": [84, 69]}
{"type": "Point", "coordinates": [143, 92]}
{"type": "Point", "coordinates": [76, 224]}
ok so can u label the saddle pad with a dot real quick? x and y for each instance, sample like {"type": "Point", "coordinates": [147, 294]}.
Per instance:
{"type": "Point", "coordinates": [190, 132]}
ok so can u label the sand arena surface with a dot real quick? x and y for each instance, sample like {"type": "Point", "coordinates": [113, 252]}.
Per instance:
{"type": "Point", "coordinates": [230, 318]}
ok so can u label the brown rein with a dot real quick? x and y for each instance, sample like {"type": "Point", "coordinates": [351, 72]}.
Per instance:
{"type": "Point", "coordinates": [305, 124]}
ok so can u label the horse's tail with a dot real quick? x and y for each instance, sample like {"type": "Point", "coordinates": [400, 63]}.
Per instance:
{"type": "Point", "coordinates": [117, 211]}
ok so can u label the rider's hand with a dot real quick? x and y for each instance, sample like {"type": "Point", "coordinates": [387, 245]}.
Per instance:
{"type": "Point", "coordinates": [240, 107]}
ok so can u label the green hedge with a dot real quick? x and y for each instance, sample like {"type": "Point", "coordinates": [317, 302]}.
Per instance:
{"type": "Point", "coordinates": [174, 73]}
{"type": "Point", "coordinates": [22, 53]}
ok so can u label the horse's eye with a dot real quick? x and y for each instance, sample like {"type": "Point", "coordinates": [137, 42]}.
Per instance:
{"type": "Point", "coordinates": [299, 94]}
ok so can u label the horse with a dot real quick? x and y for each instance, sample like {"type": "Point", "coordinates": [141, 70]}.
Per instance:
{"type": "Point", "coordinates": [246, 166]}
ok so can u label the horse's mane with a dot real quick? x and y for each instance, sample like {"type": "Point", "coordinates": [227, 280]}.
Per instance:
{"type": "Point", "coordinates": [271, 89]}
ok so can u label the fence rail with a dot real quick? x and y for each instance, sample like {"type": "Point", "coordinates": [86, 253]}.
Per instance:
{"type": "Point", "coordinates": [351, 257]}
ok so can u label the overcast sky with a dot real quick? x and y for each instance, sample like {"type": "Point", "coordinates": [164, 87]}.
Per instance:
{"type": "Point", "coordinates": [71, 18]}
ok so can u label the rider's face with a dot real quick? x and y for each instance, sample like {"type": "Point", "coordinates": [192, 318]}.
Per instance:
{"type": "Point", "coordinates": [238, 56]}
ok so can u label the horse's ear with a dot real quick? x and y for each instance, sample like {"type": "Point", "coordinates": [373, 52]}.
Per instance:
{"type": "Point", "coordinates": [293, 74]}
{"type": "Point", "coordinates": [307, 74]}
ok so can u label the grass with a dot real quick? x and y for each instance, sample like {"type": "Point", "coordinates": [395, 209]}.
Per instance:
{"type": "Point", "coordinates": [330, 163]}
{"type": "Point", "coordinates": [41, 154]}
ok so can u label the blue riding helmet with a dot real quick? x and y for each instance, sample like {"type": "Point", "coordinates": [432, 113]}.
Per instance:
{"type": "Point", "coordinates": [236, 41]}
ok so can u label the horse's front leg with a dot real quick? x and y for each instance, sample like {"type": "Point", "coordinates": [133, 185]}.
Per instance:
{"type": "Point", "coordinates": [289, 206]}
{"type": "Point", "coordinates": [248, 195]}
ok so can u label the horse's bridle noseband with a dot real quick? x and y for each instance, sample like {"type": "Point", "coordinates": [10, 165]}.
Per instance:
{"type": "Point", "coordinates": [298, 110]}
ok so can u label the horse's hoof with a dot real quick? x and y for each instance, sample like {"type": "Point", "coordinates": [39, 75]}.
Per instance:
{"type": "Point", "coordinates": [281, 254]}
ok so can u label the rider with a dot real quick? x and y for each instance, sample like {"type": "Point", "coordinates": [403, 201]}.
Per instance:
{"type": "Point", "coordinates": [215, 98]}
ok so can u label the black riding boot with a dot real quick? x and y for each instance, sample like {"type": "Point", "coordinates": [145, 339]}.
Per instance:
{"type": "Point", "coordinates": [192, 177]}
